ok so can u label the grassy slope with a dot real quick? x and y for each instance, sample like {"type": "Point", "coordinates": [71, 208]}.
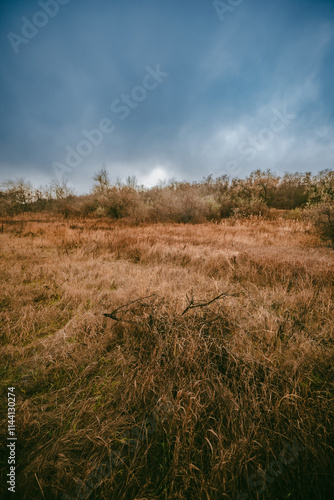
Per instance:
{"type": "Point", "coordinates": [161, 404]}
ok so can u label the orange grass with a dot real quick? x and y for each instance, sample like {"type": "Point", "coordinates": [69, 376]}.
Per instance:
{"type": "Point", "coordinates": [160, 404]}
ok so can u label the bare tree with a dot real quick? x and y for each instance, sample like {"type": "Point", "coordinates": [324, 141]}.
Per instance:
{"type": "Point", "coordinates": [102, 182]}
{"type": "Point", "coordinates": [16, 196]}
{"type": "Point", "coordinates": [60, 189]}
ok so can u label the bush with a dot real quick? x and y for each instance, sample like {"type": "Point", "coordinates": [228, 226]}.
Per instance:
{"type": "Point", "coordinates": [322, 216]}
{"type": "Point", "coordinates": [183, 205]}
{"type": "Point", "coordinates": [246, 207]}
{"type": "Point", "coordinates": [121, 201]}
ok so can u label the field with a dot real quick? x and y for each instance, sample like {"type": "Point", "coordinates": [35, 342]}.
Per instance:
{"type": "Point", "coordinates": [211, 378]}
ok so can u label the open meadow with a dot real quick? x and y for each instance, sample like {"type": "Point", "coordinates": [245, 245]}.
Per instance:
{"type": "Point", "coordinates": [168, 361]}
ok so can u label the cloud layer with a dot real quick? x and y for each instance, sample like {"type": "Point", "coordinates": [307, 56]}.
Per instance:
{"type": "Point", "coordinates": [68, 65]}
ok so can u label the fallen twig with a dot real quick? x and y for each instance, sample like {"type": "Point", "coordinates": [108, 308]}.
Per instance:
{"type": "Point", "coordinates": [112, 314]}
{"type": "Point", "coordinates": [192, 305]}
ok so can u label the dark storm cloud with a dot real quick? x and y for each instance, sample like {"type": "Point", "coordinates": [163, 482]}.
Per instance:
{"type": "Point", "coordinates": [225, 79]}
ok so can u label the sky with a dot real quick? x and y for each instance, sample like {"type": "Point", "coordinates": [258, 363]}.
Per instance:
{"type": "Point", "coordinates": [163, 89]}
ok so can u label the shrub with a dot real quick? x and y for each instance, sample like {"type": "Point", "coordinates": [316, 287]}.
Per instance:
{"type": "Point", "coordinates": [253, 206]}
{"type": "Point", "coordinates": [322, 216]}
{"type": "Point", "coordinates": [121, 201]}
{"type": "Point", "coordinates": [183, 205]}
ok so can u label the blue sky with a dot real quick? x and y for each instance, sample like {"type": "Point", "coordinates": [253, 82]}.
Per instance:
{"type": "Point", "coordinates": [161, 89]}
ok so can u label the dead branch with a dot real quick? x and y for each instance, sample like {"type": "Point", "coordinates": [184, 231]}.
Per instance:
{"type": "Point", "coordinates": [112, 314]}
{"type": "Point", "coordinates": [192, 305]}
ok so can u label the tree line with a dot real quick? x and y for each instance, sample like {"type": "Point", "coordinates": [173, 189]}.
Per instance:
{"type": "Point", "coordinates": [209, 199]}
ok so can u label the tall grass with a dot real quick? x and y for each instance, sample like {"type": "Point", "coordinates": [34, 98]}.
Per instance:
{"type": "Point", "coordinates": [230, 399]}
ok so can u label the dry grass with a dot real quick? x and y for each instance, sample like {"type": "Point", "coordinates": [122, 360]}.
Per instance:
{"type": "Point", "coordinates": [156, 403]}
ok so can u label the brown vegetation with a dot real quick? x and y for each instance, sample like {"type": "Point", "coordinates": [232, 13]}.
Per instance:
{"type": "Point", "coordinates": [261, 194]}
{"type": "Point", "coordinates": [151, 403]}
